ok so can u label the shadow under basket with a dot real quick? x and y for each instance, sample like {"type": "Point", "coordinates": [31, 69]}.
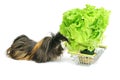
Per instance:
{"type": "Point", "coordinates": [87, 59]}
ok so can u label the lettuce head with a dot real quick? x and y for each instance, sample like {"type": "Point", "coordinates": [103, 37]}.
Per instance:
{"type": "Point", "coordinates": [84, 28]}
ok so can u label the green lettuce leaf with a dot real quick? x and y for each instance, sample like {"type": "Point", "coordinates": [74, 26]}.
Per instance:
{"type": "Point", "coordinates": [84, 28]}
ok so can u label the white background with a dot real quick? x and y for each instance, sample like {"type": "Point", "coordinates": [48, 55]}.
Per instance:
{"type": "Point", "coordinates": [36, 19]}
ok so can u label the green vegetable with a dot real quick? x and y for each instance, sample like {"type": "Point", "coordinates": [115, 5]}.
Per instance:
{"type": "Point", "coordinates": [84, 28]}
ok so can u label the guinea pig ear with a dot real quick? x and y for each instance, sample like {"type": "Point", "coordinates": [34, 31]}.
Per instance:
{"type": "Point", "coordinates": [61, 37]}
{"type": "Point", "coordinates": [58, 36]}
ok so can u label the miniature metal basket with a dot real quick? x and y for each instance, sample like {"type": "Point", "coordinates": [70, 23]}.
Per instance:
{"type": "Point", "coordinates": [89, 59]}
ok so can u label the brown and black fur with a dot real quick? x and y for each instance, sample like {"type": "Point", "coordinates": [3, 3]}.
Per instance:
{"type": "Point", "coordinates": [47, 49]}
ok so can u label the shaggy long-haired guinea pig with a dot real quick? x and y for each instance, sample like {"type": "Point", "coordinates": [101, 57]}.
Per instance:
{"type": "Point", "coordinates": [47, 49]}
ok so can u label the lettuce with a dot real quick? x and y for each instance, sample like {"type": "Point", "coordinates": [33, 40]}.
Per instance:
{"type": "Point", "coordinates": [84, 28]}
